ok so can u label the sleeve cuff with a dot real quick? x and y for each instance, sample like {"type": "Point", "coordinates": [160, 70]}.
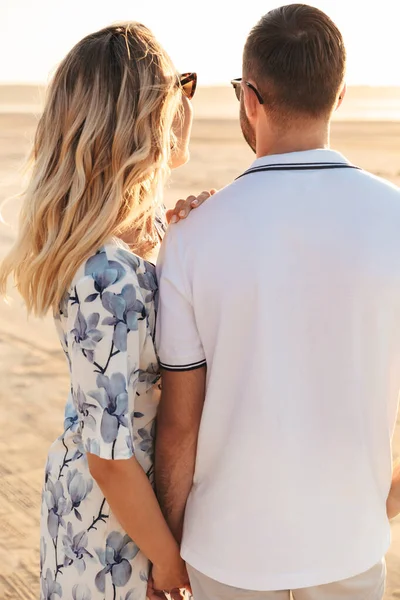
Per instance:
{"type": "Point", "coordinates": [188, 367]}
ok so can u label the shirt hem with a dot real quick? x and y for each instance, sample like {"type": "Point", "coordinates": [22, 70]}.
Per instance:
{"type": "Point", "coordinates": [273, 582]}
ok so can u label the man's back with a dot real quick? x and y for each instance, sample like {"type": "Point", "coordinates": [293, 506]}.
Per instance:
{"type": "Point", "coordinates": [294, 280]}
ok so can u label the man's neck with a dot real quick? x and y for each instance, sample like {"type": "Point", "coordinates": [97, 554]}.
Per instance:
{"type": "Point", "coordinates": [295, 139]}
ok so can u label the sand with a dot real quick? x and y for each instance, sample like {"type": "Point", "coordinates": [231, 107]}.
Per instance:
{"type": "Point", "coordinates": [33, 371]}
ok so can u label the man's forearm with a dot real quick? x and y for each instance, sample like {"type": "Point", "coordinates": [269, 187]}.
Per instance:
{"type": "Point", "coordinates": [178, 423]}
{"type": "Point", "coordinates": [175, 462]}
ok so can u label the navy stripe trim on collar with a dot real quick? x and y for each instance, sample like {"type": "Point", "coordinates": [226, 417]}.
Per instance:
{"type": "Point", "coordinates": [298, 167]}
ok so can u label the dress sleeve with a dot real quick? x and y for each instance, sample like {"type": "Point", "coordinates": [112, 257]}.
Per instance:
{"type": "Point", "coordinates": [105, 334]}
{"type": "Point", "coordinates": [178, 341]}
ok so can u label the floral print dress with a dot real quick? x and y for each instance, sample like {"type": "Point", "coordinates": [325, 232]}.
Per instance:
{"type": "Point", "coordinates": [106, 327]}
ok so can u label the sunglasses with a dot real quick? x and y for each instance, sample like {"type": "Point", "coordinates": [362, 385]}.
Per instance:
{"type": "Point", "coordinates": [237, 86]}
{"type": "Point", "coordinates": [188, 83]}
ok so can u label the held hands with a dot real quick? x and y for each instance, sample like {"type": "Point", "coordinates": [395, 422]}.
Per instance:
{"type": "Point", "coordinates": [184, 207]}
{"type": "Point", "coordinates": [170, 579]}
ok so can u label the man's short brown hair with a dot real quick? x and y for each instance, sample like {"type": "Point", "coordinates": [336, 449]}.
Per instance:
{"type": "Point", "coordinates": [296, 57]}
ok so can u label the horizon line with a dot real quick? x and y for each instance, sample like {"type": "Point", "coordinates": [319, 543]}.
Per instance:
{"type": "Point", "coordinates": [200, 86]}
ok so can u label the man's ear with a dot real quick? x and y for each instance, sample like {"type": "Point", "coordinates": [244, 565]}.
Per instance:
{"type": "Point", "coordinates": [250, 102]}
{"type": "Point", "coordinates": [341, 96]}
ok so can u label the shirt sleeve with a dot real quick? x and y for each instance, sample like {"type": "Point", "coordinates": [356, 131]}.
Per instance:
{"type": "Point", "coordinates": [177, 338]}
{"type": "Point", "coordinates": [104, 342]}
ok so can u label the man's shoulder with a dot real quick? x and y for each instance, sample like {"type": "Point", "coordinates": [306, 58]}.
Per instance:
{"type": "Point", "coordinates": [216, 206]}
{"type": "Point", "coordinates": [377, 183]}
{"type": "Point", "coordinates": [220, 198]}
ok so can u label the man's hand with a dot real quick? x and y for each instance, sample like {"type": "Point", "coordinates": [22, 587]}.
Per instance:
{"type": "Point", "coordinates": [184, 207]}
{"type": "Point", "coordinates": [393, 501]}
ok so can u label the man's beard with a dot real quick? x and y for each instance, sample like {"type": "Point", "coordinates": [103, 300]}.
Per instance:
{"type": "Point", "coordinates": [247, 130]}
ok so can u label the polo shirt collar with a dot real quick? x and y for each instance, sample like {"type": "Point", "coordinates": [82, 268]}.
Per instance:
{"type": "Point", "coordinates": [317, 156]}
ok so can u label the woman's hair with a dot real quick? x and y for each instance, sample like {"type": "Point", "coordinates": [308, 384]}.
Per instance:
{"type": "Point", "coordinates": [100, 158]}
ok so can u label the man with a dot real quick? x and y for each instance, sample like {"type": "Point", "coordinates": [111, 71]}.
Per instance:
{"type": "Point", "coordinates": [279, 339]}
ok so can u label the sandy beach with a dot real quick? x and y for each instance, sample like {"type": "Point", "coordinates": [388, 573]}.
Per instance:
{"type": "Point", "coordinates": [33, 371]}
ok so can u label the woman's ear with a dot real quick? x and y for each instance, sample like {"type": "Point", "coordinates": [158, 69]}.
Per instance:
{"type": "Point", "coordinates": [182, 128]}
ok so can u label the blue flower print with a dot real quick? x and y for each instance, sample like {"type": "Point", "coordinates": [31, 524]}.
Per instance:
{"type": "Point", "coordinates": [74, 547]}
{"type": "Point", "coordinates": [130, 259]}
{"type": "Point", "coordinates": [124, 308]}
{"type": "Point", "coordinates": [92, 446]}
{"type": "Point", "coordinates": [148, 281]}
{"type": "Point", "coordinates": [47, 471]}
{"type": "Point", "coordinates": [115, 560]}
{"type": "Point", "coordinates": [80, 591]}
{"type": "Point", "coordinates": [58, 506]}
{"type": "Point", "coordinates": [150, 376]}
{"type": "Point", "coordinates": [78, 489]}
{"type": "Point", "coordinates": [113, 398]}
{"type": "Point", "coordinates": [43, 553]}
{"type": "Point", "coordinates": [147, 440]}
{"type": "Point", "coordinates": [104, 272]}
{"type": "Point", "coordinates": [70, 416]}
{"type": "Point", "coordinates": [64, 306]}
{"type": "Point", "coordinates": [84, 407]}
{"type": "Point", "coordinates": [129, 444]}
{"type": "Point", "coordinates": [85, 333]}
{"type": "Point", "coordinates": [50, 587]}
{"type": "Point", "coordinates": [144, 576]}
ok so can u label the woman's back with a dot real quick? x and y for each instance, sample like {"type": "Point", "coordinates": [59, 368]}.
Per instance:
{"type": "Point", "coordinates": [106, 327]}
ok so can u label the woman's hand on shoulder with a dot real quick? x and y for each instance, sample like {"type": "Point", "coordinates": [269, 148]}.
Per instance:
{"type": "Point", "coordinates": [184, 207]}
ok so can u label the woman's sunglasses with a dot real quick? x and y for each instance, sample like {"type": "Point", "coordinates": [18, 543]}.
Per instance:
{"type": "Point", "coordinates": [237, 86]}
{"type": "Point", "coordinates": [188, 84]}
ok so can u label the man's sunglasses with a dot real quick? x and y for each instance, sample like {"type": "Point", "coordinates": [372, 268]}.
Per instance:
{"type": "Point", "coordinates": [188, 83]}
{"type": "Point", "coordinates": [237, 86]}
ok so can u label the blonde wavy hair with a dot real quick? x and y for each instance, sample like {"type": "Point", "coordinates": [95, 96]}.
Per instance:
{"type": "Point", "coordinates": [101, 155]}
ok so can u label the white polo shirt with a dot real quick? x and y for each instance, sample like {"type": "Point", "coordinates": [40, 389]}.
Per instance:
{"type": "Point", "coordinates": [287, 284]}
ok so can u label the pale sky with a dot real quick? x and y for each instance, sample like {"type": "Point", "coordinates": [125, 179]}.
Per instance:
{"type": "Point", "coordinates": [206, 36]}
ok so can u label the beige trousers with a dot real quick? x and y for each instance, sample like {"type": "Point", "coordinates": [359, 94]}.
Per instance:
{"type": "Point", "coordinates": [366, 586]}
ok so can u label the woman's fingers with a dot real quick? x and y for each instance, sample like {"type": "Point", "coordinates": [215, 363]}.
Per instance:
{"type": "Point", "coordinates": [198, 200]}
{"type": "Point", "coordinates": [202, 197]}
{"type": "Point", "coordinates": [168, 215]}
{"type": "Point", "coordinates": [187, 207]}
{"type": "Point", "coordinates": [175, 213]}
{"type": "Point", "coordinates": [183, 207]}
{"type": "Point", "coordinates": [172, 214]}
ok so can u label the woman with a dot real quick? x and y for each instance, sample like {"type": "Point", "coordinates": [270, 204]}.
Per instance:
{"type": "Point", "coordinates": [115, 121]}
